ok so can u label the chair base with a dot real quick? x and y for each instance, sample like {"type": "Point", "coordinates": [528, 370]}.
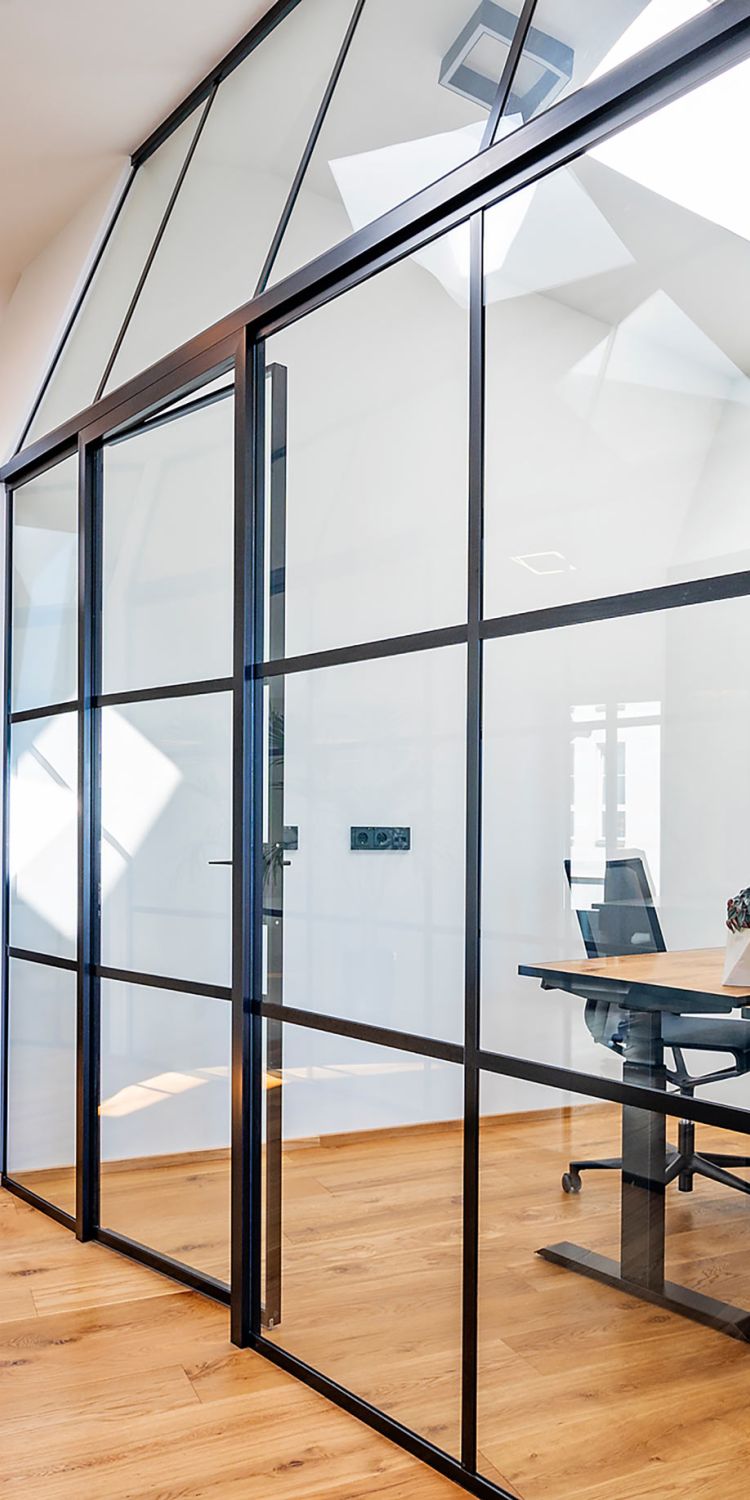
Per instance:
{"type": "Point", "coordinates": [683, 1163]}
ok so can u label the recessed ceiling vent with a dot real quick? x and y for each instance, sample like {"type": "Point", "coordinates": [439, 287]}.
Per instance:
{"type": "Point", "coordinates": [473, 66]}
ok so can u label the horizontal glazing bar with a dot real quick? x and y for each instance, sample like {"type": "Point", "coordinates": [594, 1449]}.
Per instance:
{"type": "Point", "coordinates": [397, 645]}
{"type": "Point", "coordinates": [34, 1201]}
{"type": "Point", "coordinates": [165, 1266]}
{"type": "Point", "coordinates": [172, 414]}
{"type": "Point", "coordinates": [158, 694]}
{"type": "Point", "coordinates": [30, 957]}
{"type": "Point", "coordinates": [386, 1426]}
{"type": "Point", "coordinates": [614, 606]}
{"type": "Point", "coordinates": [705, 1111]}
{"type": "Point", "coordinates": [22, 715]}
{"type": "Point", "coordinates": [379, 1036]}
{"type": "Point", "coordinates": [162, 982]}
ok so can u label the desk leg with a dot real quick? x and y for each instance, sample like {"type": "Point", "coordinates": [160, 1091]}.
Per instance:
{"type": "Point", "coordinates": [640, 1271]}
{"type": "Point", "coordinates": [644, 1153]}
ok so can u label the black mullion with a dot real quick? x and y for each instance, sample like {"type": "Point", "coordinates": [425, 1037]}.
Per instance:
{"type": "Point", "coordinates": [155, 246]}
{"type": "Point", "coordinates": [160, 694]}
{"type": "Point", "coordinates": [5, 918]}
{"type": "Point", "coordinates": [469, 1357]}
{"type": "Point", "coordinates": [505, 85]}
{"type": "Point", "coordinates": [246, 1066]}
{"type": "Point", "coordinates": [585, 611]}
{"type": "Point", "coordinates": [363, 1031]}
{"type": "Point", "coordinates": [87, 1043]}
{"type": "Point", "coordinates": [274, 583]}
{"type": "Point", "coordinates": [312, 142]}
{"type": "Point", "coordinates": [242, 49]}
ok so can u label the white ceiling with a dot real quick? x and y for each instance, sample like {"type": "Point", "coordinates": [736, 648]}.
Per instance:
{"type": "Point", "coordinates": [83, 83]}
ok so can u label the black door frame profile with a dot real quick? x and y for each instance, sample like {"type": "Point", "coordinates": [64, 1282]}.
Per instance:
{"type": "Point", "coordinates": [701, 49]}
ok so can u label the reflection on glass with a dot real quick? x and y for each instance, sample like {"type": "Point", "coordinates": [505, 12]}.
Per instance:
{"type": "Point", "coordinates": [45, 588]}
{"type": "Point", "coordinates": [369, 1190]}
{"type": "Point", "coordinates": [616, 283]}
{"type": "Point", "coordinates": [84, 358]}
{"type": "Point", "coordinates": [570, 46]}
{"type": "Point", "coordinates": [231, 200]}
{"type": "Point", "coordinates": [412, 103]}
{"type": "Point", "coordinates": [566, 1362]}
{"type": "Point", "coordinates": [165, 1122]}
{"type": "Point", "coordinates": [167, 564]}
{"type": "Point", "coordinates": [43, 835]}
{"type": "Point", "coordinates": [376, 443]}
{"type": "Point", "coordinates": [373, 934]}
{"type": "Point", "coordinates": [42, 1080]}
{"type": "Point", "coordinates": [614, 818]}
{"type": "Point", "coordinates": [166, 837]}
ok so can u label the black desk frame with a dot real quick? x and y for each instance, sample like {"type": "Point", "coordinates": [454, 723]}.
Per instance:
{"type": "Point", "coordinates": [641, 1267]}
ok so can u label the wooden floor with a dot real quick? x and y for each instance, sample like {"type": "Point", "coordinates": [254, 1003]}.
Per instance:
{"type": "Point", "coordinates": [585, 1394]}
{"type": "Point", "coordinates": [115, 1384]}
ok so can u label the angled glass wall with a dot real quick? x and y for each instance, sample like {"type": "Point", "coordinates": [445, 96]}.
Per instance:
{"type": "Point", "coordinates": [413, 101]}
{"type": "Point", "coordinates": [413, 737]}
{"type": "Point", "coordinates": [78, 373]}
{"type": "Point", "coordinates": [566, 47]}
{"type": "Point", "coordinates": [222, 225]}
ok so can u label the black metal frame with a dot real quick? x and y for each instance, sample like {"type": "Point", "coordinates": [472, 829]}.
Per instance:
{"type": "Point", "coordinates": [699, 50]}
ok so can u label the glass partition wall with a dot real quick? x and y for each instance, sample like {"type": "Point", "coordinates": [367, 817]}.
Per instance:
{"type": "Point", "coordinates": [376, 743]}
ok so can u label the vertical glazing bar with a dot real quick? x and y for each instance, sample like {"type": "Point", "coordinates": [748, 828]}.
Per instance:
{"type": "Point", "coordinates": [7, 650]}
{"type": "Point", "coordinates": [247, 804]}
{"type": "Point", "coordinates": [273, 892]}
{"type": "Point", "coordinates": [509, 72]}
{"type": "Point", "coordinates": [87, 1037]}
{"type": "Point", "coordinates": [473, 855]}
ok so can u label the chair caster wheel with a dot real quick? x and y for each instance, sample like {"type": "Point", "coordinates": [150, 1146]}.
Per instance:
{"type": "Point", "coordinates": [571, 1182]}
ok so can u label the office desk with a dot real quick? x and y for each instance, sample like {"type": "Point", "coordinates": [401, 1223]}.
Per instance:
{"type": "Point", "coordinates": [647, 985]}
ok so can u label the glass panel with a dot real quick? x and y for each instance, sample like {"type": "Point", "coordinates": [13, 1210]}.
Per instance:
{"type": "Point", "coordinates": [618, 352]}
{"type": "Point", "coordinates": [45, 588]}
{"type": "Point", "coordinates": [83, 360]}
{"type": "Point", "coordinates": [364, 888]}
{"type": "Point", "coordinates": [569, 46]}
{"type": "Point", "coordinates": [585, 1389]}
{"type": "Point", "coordinates": [368, 1185]}
{"type": "Point", "coordinates": [412, 103]}
{"type": "Point", "coordinates": [211, 256]}
{"type": "Point", "coordinates": [43, 835]}
{"type": "Point", "coordinates": [42, 1081]}
{"type": "Point", "coordinates": [376, 455]}
{"type": "Point", "coordinates": [615, 809]}
{"type": "Point", "coordinates": [165, 1122]}
{"type": "Point", "coordinates": [168, 552]}
{"type": "Point", "coordinates": [166, 837]}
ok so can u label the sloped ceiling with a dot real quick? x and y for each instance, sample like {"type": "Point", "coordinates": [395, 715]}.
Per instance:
{"type": "Point", "coordinates": [83, 82]}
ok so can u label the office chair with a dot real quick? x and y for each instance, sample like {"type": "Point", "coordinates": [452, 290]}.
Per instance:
{"type": "Point", "coordinates": [626, 921]}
